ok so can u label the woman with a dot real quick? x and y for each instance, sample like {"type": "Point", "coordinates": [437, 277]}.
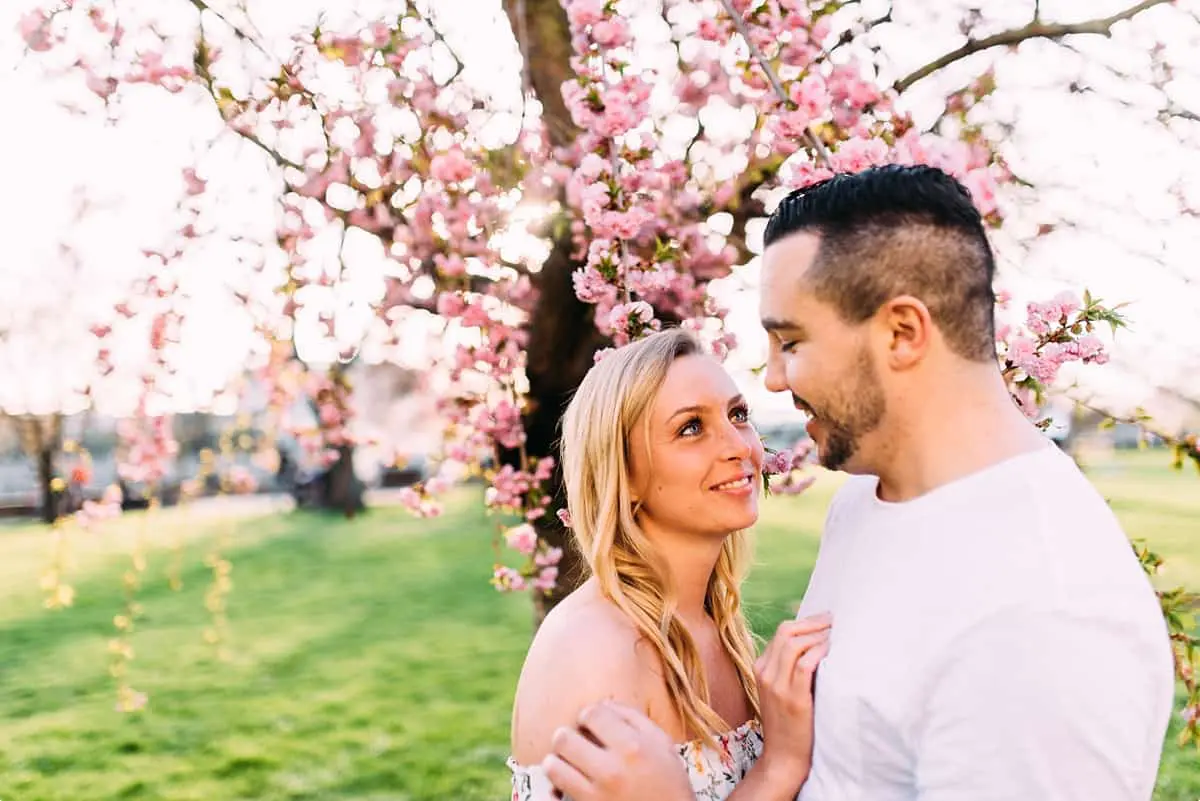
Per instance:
{"type": "Point", "coordinates": [663, 471]}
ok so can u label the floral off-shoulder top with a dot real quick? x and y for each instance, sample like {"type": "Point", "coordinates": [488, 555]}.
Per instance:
{"type": "Point", "coordinates": [714, 771]}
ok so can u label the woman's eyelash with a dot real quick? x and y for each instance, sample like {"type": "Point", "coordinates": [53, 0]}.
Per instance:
{"type": "Point", "coordinates": [741, 409]}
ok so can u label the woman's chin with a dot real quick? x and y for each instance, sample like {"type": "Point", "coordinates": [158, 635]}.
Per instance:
{"type": "Point", "coordinates": [747, 518]}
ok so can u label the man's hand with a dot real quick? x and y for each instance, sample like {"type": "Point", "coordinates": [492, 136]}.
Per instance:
{"type": "Point", "coordinates": [616, 754]}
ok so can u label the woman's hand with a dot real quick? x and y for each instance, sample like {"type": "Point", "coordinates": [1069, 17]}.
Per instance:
{"type": "Point", "coordinates": [785, 674]}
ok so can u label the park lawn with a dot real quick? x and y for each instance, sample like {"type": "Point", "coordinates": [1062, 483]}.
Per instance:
{"type": "Point", "coordinates": [371, 659]}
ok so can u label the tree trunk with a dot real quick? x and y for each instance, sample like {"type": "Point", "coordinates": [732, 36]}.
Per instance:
{"type": "Point", "coordinates": [562, 342]}
{"type": "Point", "coordinates": [45, 471]}
{"type": "Point", "coordinates": [341, 489]}
{"type": "Point", "coordinates": [562, 335]}
{"type": "Point", "coordinates": [41, 439]}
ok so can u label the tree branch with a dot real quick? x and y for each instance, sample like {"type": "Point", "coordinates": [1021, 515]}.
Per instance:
{"type": "Point", "coordinates": [438, 36]}
{"type": "Point", "coordinates": [855, 32]}
{"type": "Point", "coordinates": [1034, 30]}
{"type": "Point", "coordinates": [202, 6]}
{"type": "Point", "coordinates": [814, 140]}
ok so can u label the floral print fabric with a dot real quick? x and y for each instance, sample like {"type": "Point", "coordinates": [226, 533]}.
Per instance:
{"type": "Point", "coordinates": [713, 770]}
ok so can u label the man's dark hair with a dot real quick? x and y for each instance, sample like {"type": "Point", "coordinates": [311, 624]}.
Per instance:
{"type": "Point", "coordinates": [898, 230]}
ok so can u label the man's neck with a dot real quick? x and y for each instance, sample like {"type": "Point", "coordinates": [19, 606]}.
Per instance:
{"type": "Point", "coordinates": [962, 427]}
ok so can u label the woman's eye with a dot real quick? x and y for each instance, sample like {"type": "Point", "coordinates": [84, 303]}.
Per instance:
{"type": "Point", "coordinates": [740, 414]}
{"type": "Point", "coordinates": [690, 428]}
{"type": "Point", "coordinates": [788, 346]}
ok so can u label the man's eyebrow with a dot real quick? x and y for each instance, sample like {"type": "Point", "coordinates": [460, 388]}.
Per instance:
{"type": "Point", "coordinates": [775, 324]}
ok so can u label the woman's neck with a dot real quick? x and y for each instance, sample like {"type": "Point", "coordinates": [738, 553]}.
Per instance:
{"type": "Point", "coordinates": [691, 559]}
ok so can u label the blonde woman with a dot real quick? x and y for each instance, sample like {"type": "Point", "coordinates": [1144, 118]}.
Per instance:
{"type": "Point", "coordinates": [663, 472]}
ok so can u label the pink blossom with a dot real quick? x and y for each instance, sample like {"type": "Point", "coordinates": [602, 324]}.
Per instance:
{"type": "Point", "coordinates": [622, 225]}
{"type": "Point", "coordinates": [419, 504]}
{"type": "Point", "coordinates": [611, 32]}
{"type": "Point", "coordinates": [810, 96]}
{"type": "Point", "coordinates": [241, 480]}
{"type": "Point", "coordinates": [548, 557]}
{"type": "Point", "coordinates": [546, 578]}
{"type": "Point", "coordinates": [582, 13]}
{"type": "Point", "coordinates": [593, 200]}
{"type": "Point", "coordinates": [522, 538]}
{"type": "Point", "coordinates": [1021, 350]}
{"type": "Point", "coordinates": [1091, 349]}
{"type": "Point", "coordinates": [544, 469]}
{"type": "Point", "coordinates": [709, 30]}
{"type": "Point", "coordinates": [34, 29]}
{"type": "Point", "coordinates": [450, 304]}
{"type": "Point", "coordinates": [505, 579]}
{"type": "Point", "coordinates": [380, 34]}
{"type": "Point", "coordinates": [195, 184]}
{"type": "Point", "coordinates": [450, 266]}
{"type": "Point", "coordinates": [451, 166]}
{"type": "Point", "coordinates": [856, 155]}
{"type": "Point", "coordinates": [780, 462]}
{"type": "Point", "coordinates": [592, 167]}
{"type": "Point", "coordinates": [590, 286]}
{"type": "Point", "coordinates": [620, 114]}
{"type": "Point", "coordinates": [793, 484]}
{"type": "Point", "coordinates": [982, 186]}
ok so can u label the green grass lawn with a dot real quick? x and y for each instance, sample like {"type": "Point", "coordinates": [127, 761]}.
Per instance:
{"type": "Point", "coordinates": [371, 659]}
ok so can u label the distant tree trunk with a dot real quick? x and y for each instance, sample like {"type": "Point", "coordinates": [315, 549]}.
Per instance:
{"type": "Point", "coordinates": [41, 439]}
{"type": "Point", "coordinates": [343, 490]}
{"type": "Point", "coordinates": [51, 500]}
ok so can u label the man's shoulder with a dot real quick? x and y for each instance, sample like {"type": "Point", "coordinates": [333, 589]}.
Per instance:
{"type": "Point", "coordinates": [852, 492]}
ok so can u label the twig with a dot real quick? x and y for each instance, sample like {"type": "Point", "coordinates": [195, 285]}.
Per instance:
{"type": "Point", "coordinates": [814, 140]}
{"type": "Point", "coordinates": [1179, 112]}
{"type": "Point", "coordinates": [202, 6]}
{"type": "Point", "coordinates": [202, 71]}
{"type": "Point", "coordinates": [1034, 30]}
{"type": "Point", "coordinates": [437, 35]}
{"type": "Point", "coordinates": [852, 33]}
{"type": "Point", "coordinates": [523, 38]}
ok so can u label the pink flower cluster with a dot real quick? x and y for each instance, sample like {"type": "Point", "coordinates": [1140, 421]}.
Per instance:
{"type": "Point", "coordinates": [94, 512]}
{"type": "Point", "coordinates": [149, 448]}
{"type": "Point", "coordinates": [1055, 332]}
{"type": "Point", "coordinates": [641, 226]}
{"type": "Point", "coordinates": [789, 465]}
{"type": "Point", "coordinates": [330, 395]}
{"type": "Point", "coordinates": [540, 576]}
{"type": "Point", "coordinates": [521, 491]}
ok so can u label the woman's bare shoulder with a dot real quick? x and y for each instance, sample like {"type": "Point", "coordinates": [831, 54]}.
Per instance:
{"type": "Point", "coordinates": [585, 651]}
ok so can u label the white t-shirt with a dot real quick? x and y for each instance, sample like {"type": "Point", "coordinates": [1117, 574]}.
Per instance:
{"type": "Point", "coordinates": [993, 640]}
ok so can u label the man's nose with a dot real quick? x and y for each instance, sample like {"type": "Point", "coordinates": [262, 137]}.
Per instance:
{"type": "Point", "coordinates": [774, 377]}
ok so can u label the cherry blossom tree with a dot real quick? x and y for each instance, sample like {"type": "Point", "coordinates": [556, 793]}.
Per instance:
{"type": "Point", "coordinates": [646, 141]}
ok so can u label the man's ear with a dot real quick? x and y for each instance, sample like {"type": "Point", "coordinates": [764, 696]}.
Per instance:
{"type": "Point", "coordinates": [907, 327]}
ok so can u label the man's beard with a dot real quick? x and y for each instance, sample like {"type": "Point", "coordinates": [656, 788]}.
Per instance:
{"type": "Point", "coordinates": [854, 412]}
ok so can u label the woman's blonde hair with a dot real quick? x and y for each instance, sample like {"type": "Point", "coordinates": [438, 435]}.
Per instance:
{"type": "Point", "coordinates": [596, 433]}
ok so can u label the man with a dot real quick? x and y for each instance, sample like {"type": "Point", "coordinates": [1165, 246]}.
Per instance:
{"type": "Point", "coordinates": [993, 634]}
